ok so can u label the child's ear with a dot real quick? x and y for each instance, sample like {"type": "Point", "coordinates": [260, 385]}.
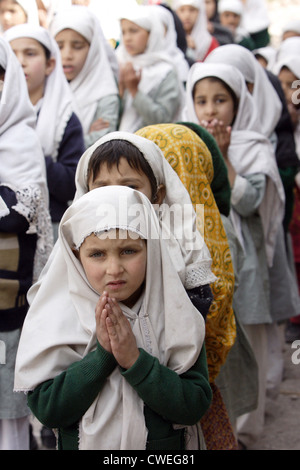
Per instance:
{"type": "Point", "coordinates": [50, 66]}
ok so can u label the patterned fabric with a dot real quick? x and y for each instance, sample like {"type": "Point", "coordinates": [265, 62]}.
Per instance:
{"type": "Point", "coordinates": [216, 427]}
{"type": "Point", "coordinates": [192, 161]}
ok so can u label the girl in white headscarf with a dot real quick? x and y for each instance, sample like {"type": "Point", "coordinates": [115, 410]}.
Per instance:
{"type": "Point", "coordinates": [149, 84]}
{"type": "Point", "coordinates": [257, 202]}
{"type": "Point", "coordinates": [92, 79]}
{"type": "Point", "coordinates": [274, 124]}
{"type": "Point", "coordinates": [288, 71]}
{"type": "Point", "coordinates": [14, 12]}
{"type": "Point", "coordinates": [25, 234]}
{"type": "Point", "coordinates": [170, 42]}
{"type": "Point", "coordinates": [192, 14]}
{"type": "Point", "coordinates": [128, 374]}
{"type": "Point", "coordinates": [58, 127]}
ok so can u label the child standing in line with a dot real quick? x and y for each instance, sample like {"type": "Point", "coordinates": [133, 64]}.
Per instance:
{"type": "Point", "coordinates": [87, 68]}
{"type": "Point", "coordinates": [14, 12]}
{"type": "Point", "coordinates": [218, 99]}
{"type": "Point", "coordinates": [288, 71]}
{"type": "Point", "coordinates": [192, 14]}
{"type": "Point", "coordinates": [25, 234]}
{"type": "Point", "coordinates": [117, 333]}
{"type": "Point", "coordinates": [150, 87]}
{"type": "Point", "coordinates": [231, 16]}
{"type": "Point", "coordinates": [58, 126]}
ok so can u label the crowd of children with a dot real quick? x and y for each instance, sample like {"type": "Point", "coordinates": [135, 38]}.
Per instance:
{"type": "Point", "coordinates": [150, 221]}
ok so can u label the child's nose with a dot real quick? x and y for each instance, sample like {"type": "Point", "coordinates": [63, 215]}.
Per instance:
{"type": "Point", "coordinates": [114, 267]}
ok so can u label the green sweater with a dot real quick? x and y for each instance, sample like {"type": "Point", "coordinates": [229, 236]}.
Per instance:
{"type": "Point", "coordinates": [168, 398]}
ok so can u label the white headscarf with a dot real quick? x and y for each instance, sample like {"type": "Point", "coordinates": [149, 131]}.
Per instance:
{"type": "Point", "coordinates": [22, 165]}
{"type": "Point", "coordinates": [249, 151]}
{"type": "Point", "coordinates": [170, 42]}
{"type": "Point", "coordinates": [154, 62]}
{"type": "Point", "coordinates": [96, 79]}
{"type": "Point", "coordinates": [200, 33]}
{"type": "Point", "coordinates": [288, 47]}
{"type": "Point", "coordinates": [292, 62]}
{"type": "Point", "coordinates": [57, 102]}
{"type": "Point", "coordinates": [65, 318]}
{"type": "Point", "coordinates": [255, 16]}
{"type": "Point", "coordinates": [266, 99]}
{"type": "Point", "coordinates": [31, 10]}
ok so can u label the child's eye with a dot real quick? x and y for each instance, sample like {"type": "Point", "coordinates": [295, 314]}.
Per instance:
{"type": "Point", "coordinates": [96, 254]}
{"type": "Point", "coordinates": [129, 251]}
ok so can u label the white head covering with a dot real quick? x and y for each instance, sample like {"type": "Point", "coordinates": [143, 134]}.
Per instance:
{"type": "Point", "coordinates": [65, 318]}
{"type": "Point", "coordinates": [56, 106]}
{"type": "Point", "coordinates": [170, 42]}
{"type": "Point", "coordinates": [266, 99]}
{"type": "Point", "coordinates": [292, 25]}
{"type": "Point", "coordinates": [31, 10]}
{"type": "Point", "coordinates": [268, 53]}
{"type": "Point", "coordinates": [249, 151]}
{"type": "Point", "coordinates": [155, 62]}
{"type": "Point", "coordinates": [255, 16]}
{"type": "Point", "coordinates": [22, 165]}
{"type": "Point", "coordinates": [288, 47]}
{"type": "Point", "coordinates": [292, 62]}
{"type": "Point", "coordinates": [96, 78]}
{"type": "Point", "coordinates": [235, 6]}
{"type": "Point", "coordinates": [200, 33]}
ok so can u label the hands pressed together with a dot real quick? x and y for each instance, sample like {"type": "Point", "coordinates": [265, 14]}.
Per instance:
{"type": "Point", "coordinates": [114, 332]}
{"type": "Point", "coordinates": [222, 135]}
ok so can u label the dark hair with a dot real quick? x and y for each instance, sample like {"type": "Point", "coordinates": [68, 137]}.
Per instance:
{"type": "Point", "coordinates": [213, 79]}
{"type": "Point", "coordinates": [111, 152]}
{"type": "Point", "coordinates": [47, 52]}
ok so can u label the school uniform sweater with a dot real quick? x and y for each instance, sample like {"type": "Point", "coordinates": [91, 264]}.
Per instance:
{"type": "Point", "coordinates": [61, 173]}
{"type": "Point", "coordinates": [168, 398]}
{"type": "Point", "coordinates": [17, 250]}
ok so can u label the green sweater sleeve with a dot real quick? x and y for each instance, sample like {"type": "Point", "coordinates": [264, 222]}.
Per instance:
{"type": "Point", "coordinates": [62, 401]}
{"type": "Point", "coordinates": [179, 399]}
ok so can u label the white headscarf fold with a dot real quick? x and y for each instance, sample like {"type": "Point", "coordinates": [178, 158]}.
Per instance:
{"type": "Point", "coordinates": [200, 34]}
{"type": "Point", "coordinates": [57, 102]}
{"type": "Point", "coordinates": [249, 151]}
{"type": "Point", "coordinates": [266, 99]}
{"type": "Point", "coordinates": [22, 165]}
{"type": "Point", "coordinates": [170, 42]}
{"type": "Point", "coordinates": [64, 318]}
{"type": "Point", "coordinates": [31, 10]}
{"type": "Point", "coordinates": [154, 63]}
{"type": "Point", "coordinates": [96, 79]}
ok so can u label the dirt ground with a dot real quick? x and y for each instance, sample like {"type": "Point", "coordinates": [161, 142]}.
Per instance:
{"type": "Point", "coordinates": [282, 420]}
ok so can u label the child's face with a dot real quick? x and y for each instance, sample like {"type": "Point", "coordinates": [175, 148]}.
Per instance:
{"type": "Point", "coordinates": [134, 38]}
{"type": "Point", "coordinates": [11, 14]}
{"type": "Point", "coordinates": [74, 49]}
{"type": "Point", "coordinates": [287, 78]}
{"type": "Point", "coordinates": [188, 16]}
{"type": "Point", "coordinates": [213, 101]}
{"type": "Point", "coordinates": [230, 20]}
{"type": "Point", "coordinates": [31, 55]}
{"type": "Point", "coordinates": [124, 175]}
{"type": "Point", "coordinates": [116, 265]}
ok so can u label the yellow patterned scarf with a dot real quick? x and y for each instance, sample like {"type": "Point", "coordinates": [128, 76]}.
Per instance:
{"type": "Point", "coordinates": [192, 161]}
